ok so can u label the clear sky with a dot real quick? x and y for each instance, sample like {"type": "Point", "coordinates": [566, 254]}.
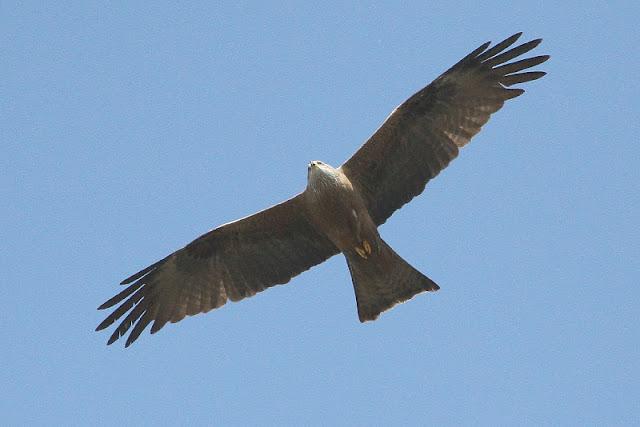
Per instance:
{"type": "Point", "coordinates": [127, 130]}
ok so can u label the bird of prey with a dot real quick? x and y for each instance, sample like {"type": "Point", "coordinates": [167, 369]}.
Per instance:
{"type": "Point", "coordinates": [340, 209]}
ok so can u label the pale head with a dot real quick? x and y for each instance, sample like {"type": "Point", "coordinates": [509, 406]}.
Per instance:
{"type": "Point", "coordinates": [320, 173]}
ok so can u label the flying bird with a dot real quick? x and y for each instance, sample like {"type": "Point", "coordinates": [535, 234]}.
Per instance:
{"type": "Point", "coordinates": [340, 209]}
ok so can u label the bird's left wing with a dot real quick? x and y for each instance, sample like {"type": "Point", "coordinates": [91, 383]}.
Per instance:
{"type": "Point", "coordinates": [423, 134]}
{"type": "Point", "coordinates": [233, 261]}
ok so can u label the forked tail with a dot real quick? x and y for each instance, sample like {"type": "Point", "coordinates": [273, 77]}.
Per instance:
{"type": "Point", "coordinates": [384, 279]}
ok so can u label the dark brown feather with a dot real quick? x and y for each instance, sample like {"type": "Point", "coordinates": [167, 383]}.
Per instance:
{"type": "Point", "coordinates": [513, 79]}
{"type": "Point", "coordinates": [234, 261]}
{"type": "Point", "coordinates": [383, 281]}
{"type": "Point", "coordinates": [119, 297]}
{"type": "Point", "coordinates": [423, 134]}
{"type": "Point", "coordinates": [499, 47]}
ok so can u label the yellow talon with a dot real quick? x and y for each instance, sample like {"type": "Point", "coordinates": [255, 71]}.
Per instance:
{"type": "Point", "coordinates": [367, 247]}
{"type": "Point", "coordinates": [365, 250]}
{"type": "Point", "coordinates": [361, 252]}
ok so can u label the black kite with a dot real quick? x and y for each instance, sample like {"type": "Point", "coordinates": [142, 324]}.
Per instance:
{"type": "Point", "coordinates": [340, 209]}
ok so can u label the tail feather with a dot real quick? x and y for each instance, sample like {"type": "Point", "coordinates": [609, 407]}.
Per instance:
{"type": "Point", "coordinates": [383, 280]}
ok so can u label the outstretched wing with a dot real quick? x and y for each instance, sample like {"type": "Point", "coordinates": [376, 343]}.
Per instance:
{"type": "Point", "coordinates": [234, 261]}
{"type": "Point", "coordinates": [423, 134]}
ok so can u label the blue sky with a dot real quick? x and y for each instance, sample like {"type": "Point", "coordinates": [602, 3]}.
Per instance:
{"type": "Point", "coordinates": [128, 130]}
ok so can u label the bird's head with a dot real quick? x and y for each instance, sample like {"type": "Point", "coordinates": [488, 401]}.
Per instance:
{"type": "Point", "coordinates": [319, 171]}
{"type": "Point", "coordinates": [314, 164]}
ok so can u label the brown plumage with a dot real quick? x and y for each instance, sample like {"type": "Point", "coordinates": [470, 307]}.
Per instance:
{"type": "Point", "coordinates": [339, 211]}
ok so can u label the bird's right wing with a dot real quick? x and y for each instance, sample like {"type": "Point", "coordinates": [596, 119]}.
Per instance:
{"type": "Point", "coordinates": [423, 134]}
{"type": "Point", "coordinates": [233, 261]}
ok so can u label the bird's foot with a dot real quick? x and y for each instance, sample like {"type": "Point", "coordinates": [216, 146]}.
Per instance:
{"type": "Point", "coordinates": [365, 250]}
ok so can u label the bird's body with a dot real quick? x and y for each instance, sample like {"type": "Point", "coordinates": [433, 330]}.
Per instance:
{"type": "Point", "coordinates": [336, 209]}
{"type": "Point", "coordinates": [338, 212]}
{"type": "Point", "coordinates": [380, 277]}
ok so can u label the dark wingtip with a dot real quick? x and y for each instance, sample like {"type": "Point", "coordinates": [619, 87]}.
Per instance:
{"type": "Point", "coordinates": [140, 326]}
{"type": "Point", "coordinates": [477, 51]}
{"type": "Point", "coordinates": [156, 327]}
{"type": "Point", "coordinates": [511, 39]}
{"type": "Point", "coordinates": [499, 47]}
{"type": "Point", "coordinates": [106, 323]}
{"type": "Point", "coordinates": [530, 45]}
{"type": "Point", "coordinates": [133, 277]}
{"type": "Point", "coordinates": [504, 57]}
{"type": "Point", "coordinates": [144, 271]}
{"type": "Point", "coordinates": [113, 339]}
{"type": "Point", "coordinates": [513, 93]}
{"type": "Point", "coordinates": [512, 79]}
{"type": "Point", "coordinates": [132, 338]}
{"type": "Point", "coordinates": [483, 47]}
{"type": "Point", "coordinates": [101, 326]}
{"type": "Point", "coordinates": [121, 296]}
